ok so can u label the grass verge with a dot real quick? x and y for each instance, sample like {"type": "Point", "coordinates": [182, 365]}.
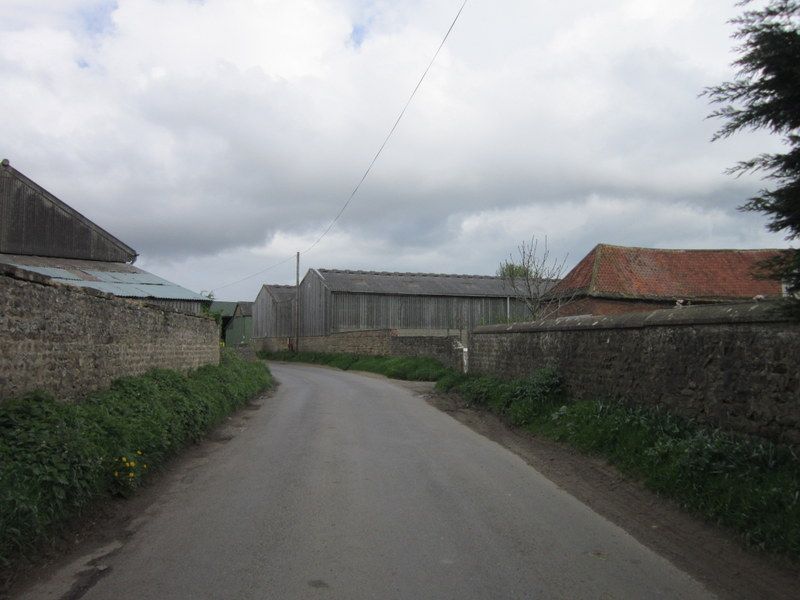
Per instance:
{"type": "Point", "coordinates": [57, 458]}
{"type": "Point", "coordinates": [749, 485]}
{"type": "Point", "coordinates": [410, 368]}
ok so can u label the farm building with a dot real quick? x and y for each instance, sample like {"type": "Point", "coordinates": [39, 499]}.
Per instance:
{"type": "Point", "coordinates": [619, 279]}
{"type": "Point", "coordinates": [335, 301]}
{"type": "Point", "coordinates": [239, 329]}
{"type": "Point", "coordinates": [42, 234]}
{"type": "Point", "coordinates": [273, 312]}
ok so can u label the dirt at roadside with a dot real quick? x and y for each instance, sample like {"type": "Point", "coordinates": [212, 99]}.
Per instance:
{"type": "Point", "coordinates": [712, 555]}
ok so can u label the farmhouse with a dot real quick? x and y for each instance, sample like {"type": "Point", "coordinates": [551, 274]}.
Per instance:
{"type": "Point", "coordinates": [619, 279]}
{"type": "Point", "coordinates": [42, 234]}
{"type": "Point", "coordinates": [336, 301]}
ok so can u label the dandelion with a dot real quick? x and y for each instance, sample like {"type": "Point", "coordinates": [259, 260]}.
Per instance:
{"type": "Point", "coordinates": [133, 463]}
{"type": "Point", "coordinates": [131, 475]}
{"type": "Point", "coordinates": [139, 452]}
{"type": "Point", "coordinates": [145, 466]}
{"type": "Point", "coordinates": [124, 459]}
{"type": "Point", "coordinates": [116, 473]}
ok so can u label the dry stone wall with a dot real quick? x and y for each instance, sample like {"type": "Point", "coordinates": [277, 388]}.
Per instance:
{"type": "Point", "coordinates": [370, 342]}
{"type": "Point", "coordinates": [733, 366]}
{"type": "Point", "coordinates": [69, 341]}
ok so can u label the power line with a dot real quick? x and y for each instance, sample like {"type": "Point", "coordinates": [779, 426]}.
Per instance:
{"type": "Point", "coordinates": [269, 268]}
{"type": "Point", "coordinates": [391, 131]}
{"type": "Point", "coordinates": [371, 164]}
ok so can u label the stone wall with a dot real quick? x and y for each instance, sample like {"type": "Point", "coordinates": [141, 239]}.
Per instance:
{"type": "Point", "coordinates": [447, 350]}
{"type": "Point", "coordinates": [374, 342]}
{"type": "Point", "coordinates": [69, 341]}
{"type": "Point", "coordinates": [371, 342]}
{"type": "Point", "coordinates": [735, 366]}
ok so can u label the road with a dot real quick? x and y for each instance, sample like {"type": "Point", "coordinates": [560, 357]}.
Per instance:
{"type": "Point", "coordinates": [349, 486]}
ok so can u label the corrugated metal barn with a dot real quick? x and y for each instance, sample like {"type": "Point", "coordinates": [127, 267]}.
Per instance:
{"type": "Point", "coordinates": [273, 312]}
{"type": "Point", "coordinates": [333, 301]}
{"type": "Point", "coordinates": [40, 233]}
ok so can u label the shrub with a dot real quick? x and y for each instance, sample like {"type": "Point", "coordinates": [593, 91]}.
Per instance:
{"type": "Point", "coordinates": [57, 458]}
{"type": "Point", "coordinates": [748, 484]}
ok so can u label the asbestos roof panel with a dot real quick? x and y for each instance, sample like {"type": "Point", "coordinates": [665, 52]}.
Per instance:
{"type": "Point", "coordinates": [282, 293]}
{"type": "Point", "coordinates": [102, 286]}
{"type": "Point", "coordinates": [125, 277]}
{"type": "Point", "coordinates": [244, 309]}
{"type": "Point", "coordinates": [54, 273]}
{"type": "Point", "coordinates": [119, 279]}
{"type": "Point", "coordinates": [419, 284]}
{"type": "Point", "coordinates": [223, 307]}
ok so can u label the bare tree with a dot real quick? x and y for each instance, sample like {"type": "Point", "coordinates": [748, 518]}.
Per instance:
{"type": "Point", "coordinates": [531, 275]}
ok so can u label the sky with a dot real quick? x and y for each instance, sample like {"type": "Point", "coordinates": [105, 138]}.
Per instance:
{"type": "Point", "coordinates": [219, 137]}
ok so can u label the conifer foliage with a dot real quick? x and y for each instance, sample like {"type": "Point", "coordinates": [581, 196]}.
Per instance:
{"type": "Point", "coordinates": [765, 94]}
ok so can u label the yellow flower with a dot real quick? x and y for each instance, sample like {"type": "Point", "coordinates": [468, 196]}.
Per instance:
{"type": "Point", "coordinates": [133, 463]}
{"type": "Point", "coordinates": [131, 475]}
{"type": "Point", "coordinates": [145, 466]}
{"type": "Point", "coordinates": [116, 473]}
{"type": "Point", "coordinates": [124, 459]}
{"type": "Point", "coordinates": [139, 452]}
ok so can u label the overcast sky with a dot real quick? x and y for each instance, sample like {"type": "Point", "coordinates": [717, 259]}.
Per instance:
{"type": "Point", "coordinates": [218, 137]}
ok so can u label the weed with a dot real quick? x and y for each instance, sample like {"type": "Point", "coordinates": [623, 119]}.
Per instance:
{"type": "Point", "coordinates": [748, 484]}
{"type": "Point", "coordinates": [411, 368]}
{"type": "Point", "coordinates": [57, 458]}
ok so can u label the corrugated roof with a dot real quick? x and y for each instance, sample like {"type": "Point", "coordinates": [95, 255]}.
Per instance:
{"type": "Point", "coordinates": [244, 309]}
{"type": "Point", "coordinates": [417, 284]}
{"type": "Point", "coordinates": [654, 273]}
{"type": "Point", "coordinates": [281, 293]}
{"type": "Point", "coordinates": [119, 279]}
{"type": "Point", "coordinates": [223, 307]}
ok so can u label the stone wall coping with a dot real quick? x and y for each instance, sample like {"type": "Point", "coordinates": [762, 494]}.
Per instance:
{"type": "Point", "coordinates": [32, 277]}
{"type": "Point", "coordinates": [751, 312]}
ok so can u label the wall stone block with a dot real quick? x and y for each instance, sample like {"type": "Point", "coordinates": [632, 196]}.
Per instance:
{"type": "Point", "coordinates": [69, 341]}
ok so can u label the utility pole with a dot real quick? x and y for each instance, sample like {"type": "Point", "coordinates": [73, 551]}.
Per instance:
{"type": "Point", "coordinates": [297, 305]}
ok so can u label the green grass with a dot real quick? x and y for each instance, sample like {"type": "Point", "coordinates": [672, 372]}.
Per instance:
{"type": "Point", "coordinates": [410, 368]}
{"type": "Point", "coordinates": [56, 459]}
{"type": "Point", "coordinates": [747, 484]}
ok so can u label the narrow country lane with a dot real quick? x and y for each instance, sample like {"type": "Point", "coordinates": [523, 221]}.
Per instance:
{"type": "Point", "coordinates": [349, 486]}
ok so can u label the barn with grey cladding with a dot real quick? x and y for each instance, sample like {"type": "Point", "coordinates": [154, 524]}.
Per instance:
{"type": "Point", "coordinates": [335, 301]}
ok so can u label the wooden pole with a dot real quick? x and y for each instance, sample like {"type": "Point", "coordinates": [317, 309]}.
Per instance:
{"type": "Point", "coordinates": [297, 305]}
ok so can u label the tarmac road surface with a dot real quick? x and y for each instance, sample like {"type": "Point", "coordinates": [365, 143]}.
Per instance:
{"type": "Point", "coordinates": [348, 486]}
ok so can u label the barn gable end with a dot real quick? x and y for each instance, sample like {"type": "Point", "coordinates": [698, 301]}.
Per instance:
{"type": "Point", "coordinates": [34, 222]}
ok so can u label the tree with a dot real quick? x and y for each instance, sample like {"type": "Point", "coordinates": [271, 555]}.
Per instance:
{"type": "Point", "coordinates": [530, 276]}
{"type": "Point", "coordinates": [765, 94]}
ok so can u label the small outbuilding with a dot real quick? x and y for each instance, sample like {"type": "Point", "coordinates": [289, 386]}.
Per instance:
{"type": "Point", "coordinates": [272, 312]}
{"type": "Point", "coordinates": [239, 329]}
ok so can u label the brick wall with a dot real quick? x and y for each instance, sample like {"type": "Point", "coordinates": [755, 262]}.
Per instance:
{"type": "Point", "coordinates": [736, 366]}
{"type": "Point", "coordinates": [68, 341]}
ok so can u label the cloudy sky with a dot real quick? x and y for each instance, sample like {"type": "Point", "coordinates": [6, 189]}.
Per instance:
{"type": "Point", "coordinates": [218, 137]}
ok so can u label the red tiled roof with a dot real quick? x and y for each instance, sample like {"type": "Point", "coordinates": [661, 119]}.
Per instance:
{"type": "Point", "coordinates": [652, 273]}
